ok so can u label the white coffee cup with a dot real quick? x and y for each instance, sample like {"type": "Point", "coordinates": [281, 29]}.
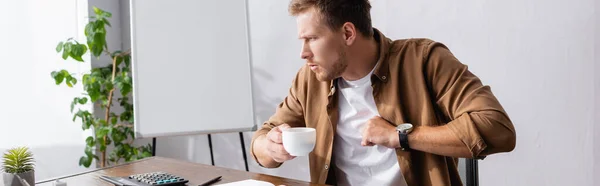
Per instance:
{"type": "Point", "coordinates": [299, 141]}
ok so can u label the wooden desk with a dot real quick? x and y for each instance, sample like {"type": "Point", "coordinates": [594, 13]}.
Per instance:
{"type": "Point", "coordinates": [195, 172]}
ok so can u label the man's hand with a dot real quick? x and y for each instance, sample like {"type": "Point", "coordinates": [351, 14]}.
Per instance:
{"type": "Point", "coordinates": [275, 146]}
{"type": "Point", "coordinates": [378, 131]}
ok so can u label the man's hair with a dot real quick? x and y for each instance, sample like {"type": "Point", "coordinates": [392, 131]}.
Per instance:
{"type": "Point", "coordinates": [337, 12]}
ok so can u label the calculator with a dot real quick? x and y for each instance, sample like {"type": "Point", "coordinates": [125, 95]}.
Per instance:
{"type": "Point", "coordinates": [147, 179]}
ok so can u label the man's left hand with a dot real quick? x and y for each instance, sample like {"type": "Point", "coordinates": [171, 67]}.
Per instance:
{"type": "Point", "coordinates": [378, 131]}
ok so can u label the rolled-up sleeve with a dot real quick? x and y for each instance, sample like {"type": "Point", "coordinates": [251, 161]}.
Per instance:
{"type": "Point", "coordinates": [472, 111]}
{"type": "Point", "coordinates": [289, 112]}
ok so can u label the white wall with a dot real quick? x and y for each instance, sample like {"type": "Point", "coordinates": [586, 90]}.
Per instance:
{"type": "Point", "coordinates": [536, 55]}
{"type": "Point", "coordinates": [34, 111]}
{"type": "Point", "coordinates": [596, 120]}
{"type": "Point", "coordinates": [538, 58]}
{"type": "Point", "coordinates": [275, 61]}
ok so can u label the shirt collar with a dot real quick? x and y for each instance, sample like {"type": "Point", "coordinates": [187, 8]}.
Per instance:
{"type": "Point", "coordinates": [382, 68]}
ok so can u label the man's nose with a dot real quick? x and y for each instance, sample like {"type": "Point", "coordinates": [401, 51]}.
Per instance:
{"type": "Point", "coordinates": [305, 53]}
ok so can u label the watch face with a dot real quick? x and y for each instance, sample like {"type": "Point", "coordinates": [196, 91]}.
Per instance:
{"type": "Point", "coordinates": [404, 127]}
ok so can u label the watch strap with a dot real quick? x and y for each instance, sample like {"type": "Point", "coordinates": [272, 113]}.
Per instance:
{"type": "Point", "coordinates": [403, 141]}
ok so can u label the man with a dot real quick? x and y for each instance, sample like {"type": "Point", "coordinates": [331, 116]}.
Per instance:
{"type": "Point", "coordinates": [386, 112]}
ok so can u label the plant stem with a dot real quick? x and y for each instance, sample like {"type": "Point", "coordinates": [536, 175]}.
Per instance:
{"type": "Point", "coordinates": [107, 116]}
{"type": "Point", "coordinates": [126, 52]}
{"type": "Point", "coordinates": [120, 54]}
{"type": "Point", "coordinates": [124, 125]}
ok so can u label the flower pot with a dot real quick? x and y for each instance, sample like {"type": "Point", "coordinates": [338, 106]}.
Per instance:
{"type": "Point", "coordinates": [12, 180]}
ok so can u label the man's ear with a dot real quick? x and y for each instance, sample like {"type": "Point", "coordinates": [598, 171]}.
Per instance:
{"type": "Point", "coordinates": [349, 32]}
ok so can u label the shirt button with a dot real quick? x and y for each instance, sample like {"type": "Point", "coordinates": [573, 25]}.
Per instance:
{"type": "Point", "coordinates": [326, 167]}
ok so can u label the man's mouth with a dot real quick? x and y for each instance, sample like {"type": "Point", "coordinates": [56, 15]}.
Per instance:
{"type": "Point", "coordinates": [312, 66]}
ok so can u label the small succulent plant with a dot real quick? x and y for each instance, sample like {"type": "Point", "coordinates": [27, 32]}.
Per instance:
{"type": "Point", "coordinates": [17, 160]}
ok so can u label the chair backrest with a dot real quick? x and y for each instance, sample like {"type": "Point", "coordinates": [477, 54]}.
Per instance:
{"type": "Point", "coordinates": [469, 172]}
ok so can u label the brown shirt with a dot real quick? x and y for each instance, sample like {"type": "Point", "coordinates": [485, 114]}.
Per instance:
{"type": "Point", "coordinates": [415, 81]}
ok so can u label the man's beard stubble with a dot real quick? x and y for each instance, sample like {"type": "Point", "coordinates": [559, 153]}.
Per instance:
{"type": "Point", "coordinates": [337, 68]}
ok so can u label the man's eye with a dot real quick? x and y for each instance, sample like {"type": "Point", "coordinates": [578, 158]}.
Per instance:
{"type": "Point", "coordinates": [307, 39]}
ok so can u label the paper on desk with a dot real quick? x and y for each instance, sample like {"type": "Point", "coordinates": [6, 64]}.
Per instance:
{"type": "Point", "coordinates": [248, 183]}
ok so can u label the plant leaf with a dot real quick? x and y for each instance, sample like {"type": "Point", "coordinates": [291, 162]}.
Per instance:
{"type": "Point", "coordinates": [146, 154]}
{"type": "Point", "coordinates": [58, 78]}
{"type": "Point", "coordinates": [68, 82]}
{"type": "Point", "coordinates": [75, 100]}
{"type": "Point", "coordinates": [90, 141]}
{"type": "Point", "coordinates": [65, 54]}
{"type": "Point", "coordinates": [66, 50]}
{"type": "Point", "coordinates": [83, 100]}
{"type": "Point", "coordinates": [88, 150]}
{"type": "Point", "coordinates": [105, 20]}
{"type": "Point", "coordinates": [103, 147]}
{"type": "Point", "coordinates": [62, 75]}
{"type": "Point", "coordinates": [101, 132]}
{"type": "Point", "coordinates": [107, 14]}
{"type": "Point", "coordinates": [97, 11]}
{"type": "Point", "coordinates": [127, 60]}
{"type": "Point", "coordinates": [73, 80]}
{"type": "Point", "coordinates": [59, 47]}
{"type": "Point", "coordinates": [94, 95]}
{"type": "Point", "coordinates": [77, 51]}
{"type": "Point", "coordinates": [88, 123]}
{"type": "Point", "coordinates": [89, 32]}
{"type": "Point", "coordinates": [100, 141]}
{"type": "Point", "coordinates": [113, 120]}
{"type": "Point", "coordinates": [17, 160]}
{"type": "Point", "coordinates": [85, 161]}
{"type": "Point", "coordinates": [117, 137]}
{"type": "Point", "coordinates": [82, 161]}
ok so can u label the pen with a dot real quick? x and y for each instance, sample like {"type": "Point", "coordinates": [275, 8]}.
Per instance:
{"type": "Point", "coordinates": [211, 181]}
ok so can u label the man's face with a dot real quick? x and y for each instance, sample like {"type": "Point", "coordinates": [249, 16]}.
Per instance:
{"type": "Point", "coordinates": [322, 48]}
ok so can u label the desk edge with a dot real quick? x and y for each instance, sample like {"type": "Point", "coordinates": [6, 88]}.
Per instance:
{"type": "Point", "coordinates": [93, 170]}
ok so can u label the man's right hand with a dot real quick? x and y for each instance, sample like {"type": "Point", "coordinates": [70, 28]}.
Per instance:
{"type": "Point", "coordinates": [274, 145]}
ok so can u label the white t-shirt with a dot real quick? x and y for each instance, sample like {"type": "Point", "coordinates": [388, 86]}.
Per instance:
{"type": "Point", "coordinates": [357, 164]}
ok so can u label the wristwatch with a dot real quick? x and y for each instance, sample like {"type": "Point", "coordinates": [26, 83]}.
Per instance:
{"type": "Point", "coordinates": [403, 131]}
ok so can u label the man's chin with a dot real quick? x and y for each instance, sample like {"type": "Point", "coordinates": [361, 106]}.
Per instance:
{"type": "Point", "coordinates": [323, 77]}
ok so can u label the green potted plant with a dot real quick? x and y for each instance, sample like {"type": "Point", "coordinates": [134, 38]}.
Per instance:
{"type": "Point", "coordinates": [18, 167]}
{"type": "Point", "coordinates": [100, 86]}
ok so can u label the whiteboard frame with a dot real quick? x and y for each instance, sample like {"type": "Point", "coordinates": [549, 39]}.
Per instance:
{"type": "Point", "coordinates": [135, 93]}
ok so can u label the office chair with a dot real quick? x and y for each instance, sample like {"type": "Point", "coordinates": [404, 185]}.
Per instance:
{"type": "Point", "coordinates": [472, 172]}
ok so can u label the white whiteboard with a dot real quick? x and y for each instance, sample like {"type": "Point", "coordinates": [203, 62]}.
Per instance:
{"type": "Point", "coordinates": [191, 67]}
